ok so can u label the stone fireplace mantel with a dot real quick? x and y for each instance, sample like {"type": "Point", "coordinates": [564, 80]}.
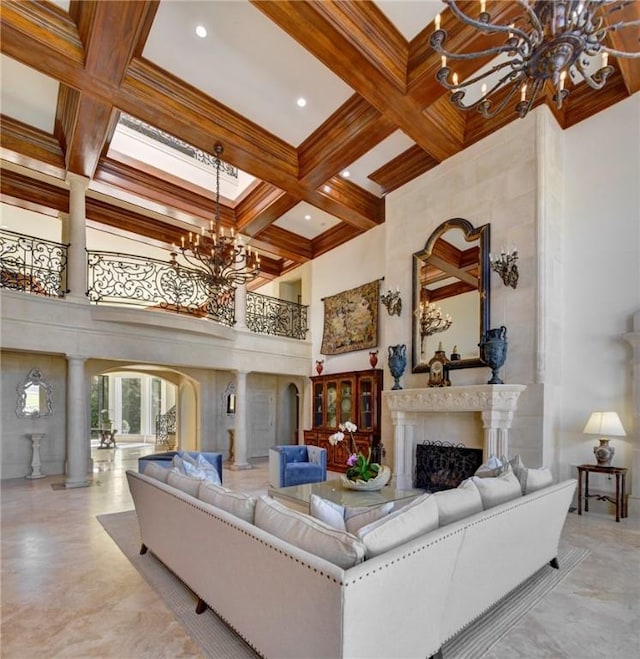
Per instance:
{"type": "Point", "coordinates": [496, 404]}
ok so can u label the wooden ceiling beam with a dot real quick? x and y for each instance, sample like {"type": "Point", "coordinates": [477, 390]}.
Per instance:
{"type": "Point", "coordinates": [403, 168]}
{"type": "Point", "coordinates": [31, 147]}
{"type": "Point", "coordinates": [283, 243]}
{"type": "Point", "coordinates": [626, 40]}
{"type": "Point", "coordinates": [262, 207]}
{"type": "Point", "coordinates": [14, 185]}
{"type": "Point", "coordinates": [319, 28]}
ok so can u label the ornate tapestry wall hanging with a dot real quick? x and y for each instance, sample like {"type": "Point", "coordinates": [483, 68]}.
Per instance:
{"type": "Point", "coordinates": [351, 320]}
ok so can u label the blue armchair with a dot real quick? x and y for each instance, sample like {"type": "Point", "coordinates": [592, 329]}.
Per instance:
{"type": "Point", "coordinates": [165, 459]}
{"type": "Point", "coordinates": [295, 465]}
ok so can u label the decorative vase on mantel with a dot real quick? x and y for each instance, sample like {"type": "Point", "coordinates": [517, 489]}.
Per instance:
{"type": "Point", "coordinates": [397, 363]}
{"type": "Point", "coordinates": [493, 351]}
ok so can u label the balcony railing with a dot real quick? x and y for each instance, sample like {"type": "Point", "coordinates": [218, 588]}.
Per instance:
{"type": "Point", "coordinates": [116, 278]}
{"type": "Point", "coordinates": [40, 266]}
{"type": "Point", "coordinates": [32, 264]}
{"type": "Point", "coordinates": [270, 315]}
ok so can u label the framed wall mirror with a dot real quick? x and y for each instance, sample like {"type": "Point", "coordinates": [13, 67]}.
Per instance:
{"type": "Point", "coordinates": [34, 396]}
{"type": "Point", "coordinates": [451, 295]}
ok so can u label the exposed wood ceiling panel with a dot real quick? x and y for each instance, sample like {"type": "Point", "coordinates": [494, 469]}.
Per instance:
{"type": "Point", "coordinates": [95, 53]}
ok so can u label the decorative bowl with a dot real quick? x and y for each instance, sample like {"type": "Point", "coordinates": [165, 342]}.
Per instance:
{"type": "Point", "coordinates": [373, 484]}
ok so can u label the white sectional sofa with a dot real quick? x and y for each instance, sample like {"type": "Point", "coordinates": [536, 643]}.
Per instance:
{"type": "Point", "coordinates": [404, 602]}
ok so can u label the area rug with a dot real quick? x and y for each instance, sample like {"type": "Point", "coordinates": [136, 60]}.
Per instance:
{"type": "Point", "coordinates": [218, 641]}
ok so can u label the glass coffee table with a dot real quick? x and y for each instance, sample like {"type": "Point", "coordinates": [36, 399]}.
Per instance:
{"type": "Point", "coordinates": [298, 496]}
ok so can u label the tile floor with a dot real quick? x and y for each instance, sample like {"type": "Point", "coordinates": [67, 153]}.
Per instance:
{"type": "Point", "coordinates": [67, 591]}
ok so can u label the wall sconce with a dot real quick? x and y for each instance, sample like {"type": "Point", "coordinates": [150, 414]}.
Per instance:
{"type": "Point", "coordinates": [505, 265]}
{"type": "Point", "coordinates": [392, 301]}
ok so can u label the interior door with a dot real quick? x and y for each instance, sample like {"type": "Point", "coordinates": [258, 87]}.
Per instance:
{"type": "Point", "coordinates": [261, 424]}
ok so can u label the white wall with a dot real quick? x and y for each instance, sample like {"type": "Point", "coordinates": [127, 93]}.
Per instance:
{"type": "Point", "coordinates": [601, 275]}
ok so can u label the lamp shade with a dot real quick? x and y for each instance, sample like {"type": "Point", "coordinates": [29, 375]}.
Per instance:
{"type": "Point", "coordinates": [604, 423]}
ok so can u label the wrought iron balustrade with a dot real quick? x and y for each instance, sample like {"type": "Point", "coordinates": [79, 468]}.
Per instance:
{"type": "Point", "coordinates": [33, 265]}
{"type": "Point", "coordinates": [270, 315]}
{"type": "Point", "coordinates": [128, 279]}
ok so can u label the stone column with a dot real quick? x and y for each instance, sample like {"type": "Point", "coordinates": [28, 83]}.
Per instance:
{"type": "Point", "coordinates": [496, 424]}
{"type": "Point", "coordinates": [77, 436]}
{"type": "Point", "coordinates": [240, 458]}
{"type": "Point", "coordinates": [403, 451]}
{"type": "Point", "coordinates": [76, 234]}
{"type": "Point", "coordinates": [241, 307]}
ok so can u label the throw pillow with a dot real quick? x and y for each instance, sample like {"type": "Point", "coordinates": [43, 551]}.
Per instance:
{"type": "Point", "coordinates": [307, 533]}
{"type": "Point", "coordinates": [326, 511]}
{"type": "Point", "coordinates": [237, 503]}
{"type": "Point", "coordinates": [356, 518]}
{"type": "Point", "coordinates": [531, 480]}
{"type": "Point", "coordinates": [418, 517]}
{"type": "Point", "coordinates": [189, 459]}
{"type": "Point", "coordinates": [156, 471]}
{"type": "Point", "coordinates": [495, 491]}
{"type": "Point", "coordinates": [493, 467]}
{"type": "Point", "coordinates": [210, 474]}
{"type": "Point", "coordinates": [209, 469]}
{"type": "Point", "coordinates": [458, 503]}
{"type": "Point", "coordinates": [183, 482]}
{"type": "Point", "coordinates": [178, 464]}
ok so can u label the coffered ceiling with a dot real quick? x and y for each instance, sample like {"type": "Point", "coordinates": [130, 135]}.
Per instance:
{"type": "Point", "coordinates": [72, 72]}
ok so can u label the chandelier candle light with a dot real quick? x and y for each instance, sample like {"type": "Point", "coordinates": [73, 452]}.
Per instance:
{"type": "Point", "coordinates": [557, 42]}
{"type": "Point", "coordinates": [432, 320]}
{"type": "Point", "coordinates": [227, 263]}
{"type": "Point", "coordinates": [505, 265]}
{"type": "Point", "coordinates": [392, 301]}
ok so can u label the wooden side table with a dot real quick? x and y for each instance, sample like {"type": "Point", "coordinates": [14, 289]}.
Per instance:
{"type": "Point", "coordinates": [621, 498]}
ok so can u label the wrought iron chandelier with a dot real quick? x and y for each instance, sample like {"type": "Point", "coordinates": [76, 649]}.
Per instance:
{"type": "Point", "coordinates": [431, 319]}
{"type": "Point", "coordinates": [225, 261]}
{"type": "Point", "coordinates": [547, 42]}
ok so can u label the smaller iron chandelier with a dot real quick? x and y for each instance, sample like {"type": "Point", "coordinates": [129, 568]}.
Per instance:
{"type": "Point", "coordinates": [392, 301]}
{"type": "Point", "coordinates": [431, 319]}
{"type": "Point", "coordinates": [548, 41]}
{"type": "Point", "coordinates": [224, 260]}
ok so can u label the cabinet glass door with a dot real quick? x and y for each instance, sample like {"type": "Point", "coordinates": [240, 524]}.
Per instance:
{"type": "Point", "coordinates": [346, 401]}
{"type": "Point", "coordinates": [318, 404]}
{"type": "Point", "coordinates": [332, 404]}
{"type": "Point", "coordinates": [366, 404]}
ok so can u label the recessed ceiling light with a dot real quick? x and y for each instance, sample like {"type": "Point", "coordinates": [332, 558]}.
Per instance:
{"type": "Point", "coordinates": [307, 217]}
{"type": "Point", "coordinates": [301, 102]}
{"type": "Point", "coordinates": [346, 173]}
{"type": "Point", "coordinates": [326, 188]}
{"type": "Point", "coordinates": [201, 31]}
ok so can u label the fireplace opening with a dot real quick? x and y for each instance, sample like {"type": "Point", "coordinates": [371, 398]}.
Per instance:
{"type": "Point", "coordinates": [444, 465]}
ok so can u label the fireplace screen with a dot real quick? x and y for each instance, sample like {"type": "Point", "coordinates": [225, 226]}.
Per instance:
{"type": "Point", "coordinates": [442, 465]}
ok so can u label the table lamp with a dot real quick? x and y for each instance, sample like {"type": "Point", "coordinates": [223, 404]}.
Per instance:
{"type": "Point", "coordinates": [604, 423]}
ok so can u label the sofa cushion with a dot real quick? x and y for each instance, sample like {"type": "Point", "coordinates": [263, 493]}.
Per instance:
{"type": "Point", "coordinates": [305, 532]}
{"type": "Point", "coordinates": [531, 480]}
{"type": "Point", "coordinates": [187, 484]}
{"type": "Point", "coordinates": [458, 503]}
{"type": "Point", "coordinates": [156, 471]}
{"type": "Point", "coordinates": [327, 511]}
{"type": "Point", "coordinates": [418, 517]}
{"type": "Point", "coordinates": [237, 503]}
{"type": "Point", "coordinates": [356, 518]}
{"type": "Point", "coordinates": [177, 464]}
{"type": "Point", "coordinates": [495, 491]}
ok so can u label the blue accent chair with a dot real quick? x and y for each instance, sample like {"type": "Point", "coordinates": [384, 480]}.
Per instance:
{"type": "Point", "coordinates": [165, 459]}
{"type": "Point", "coordinates": [295, 465]}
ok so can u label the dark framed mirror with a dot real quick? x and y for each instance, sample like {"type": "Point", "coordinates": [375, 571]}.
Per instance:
{"type": "Point", "coordinates": [451, 295]}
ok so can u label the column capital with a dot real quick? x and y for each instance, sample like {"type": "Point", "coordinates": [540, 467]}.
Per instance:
{"type": "Point", "coordinates": [77, 181]}
{"type": "Point", "coordinates": [80, 358]}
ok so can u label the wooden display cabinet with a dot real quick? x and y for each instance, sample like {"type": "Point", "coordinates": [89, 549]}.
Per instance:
{"type": "Point", "coordinates": [340, 397]}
